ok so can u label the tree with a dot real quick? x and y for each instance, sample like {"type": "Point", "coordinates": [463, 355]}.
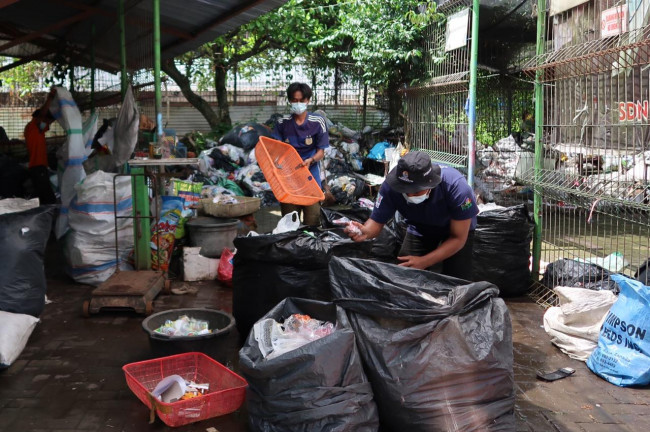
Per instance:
{"type": "Point", "coordinates": [289, 29]}
{"type": "Point", "coordinates": [383, 39]}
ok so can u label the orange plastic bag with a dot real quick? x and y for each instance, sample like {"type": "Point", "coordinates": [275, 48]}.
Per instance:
{"type": "Point", "coordinates": [224, 271]}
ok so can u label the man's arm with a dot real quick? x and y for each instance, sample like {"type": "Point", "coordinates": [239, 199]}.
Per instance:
{"type": "Point", "coordinates": [458, 231]}
{"type": "Point", "coordinates": [320, 154]}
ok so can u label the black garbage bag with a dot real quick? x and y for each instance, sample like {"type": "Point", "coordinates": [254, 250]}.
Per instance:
{"type": "Point", "coordinates": [501, 252]}
{"type": "Point", "coordinates": [320, 386]}
{"type": "Point", "coordinates": [643, 273]}
{"type": "Point", "coordinates": [386, 246]}
{"type": "Point", "coordinates": [12, 177]}
{"type": "Point", "coordinates": [269, 268]}
{"type": "Point", "coordinates": [246, 136]}
{"type": "Point", "coordinates": [437, 350]}
{"type": "Point", "coordinates": [571, 273]}
{"type": "Point", "coordinates": [23, 237]}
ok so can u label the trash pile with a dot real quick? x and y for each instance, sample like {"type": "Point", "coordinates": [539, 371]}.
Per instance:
{"type": "Point", "coordinates": [184, 326]}
{"type": "Point", "coordinates": [173, 388]}
{"type": "Point", "coordinates": [276, 338]}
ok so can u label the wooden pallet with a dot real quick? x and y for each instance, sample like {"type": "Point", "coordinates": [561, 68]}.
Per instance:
{"type": "Point", "coordinates": [127, 290]}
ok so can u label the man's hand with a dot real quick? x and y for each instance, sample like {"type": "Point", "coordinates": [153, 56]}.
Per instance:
{"type": "Point", "coordinates": [417, 262]}
{"type": "Point", "coordinates": [355, 231]}
{"type": "Point", "coordinates": [307, 162]}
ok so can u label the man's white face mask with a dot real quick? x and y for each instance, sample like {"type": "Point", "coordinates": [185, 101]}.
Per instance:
{"type": "Point", "coordinates": [418, 199]}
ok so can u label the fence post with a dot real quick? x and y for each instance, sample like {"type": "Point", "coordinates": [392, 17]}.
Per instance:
{"type": "Point", "coordinates": [473, 80]}
{"type": "Point", "coordinates": [234, 89]}
{"type": "Point", "coordinates": [539, 130]}
{"type": "Point", "coordinates": [92, 69]}
{"type": "Point", "coordinates": [365, 104]}
{"type": "Point", "coordinates": [156, 67]}
{"type": "Point", "coordinates": [122, 47]}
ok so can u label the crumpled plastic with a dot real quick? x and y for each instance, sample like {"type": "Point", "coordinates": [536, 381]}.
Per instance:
{"type": "Point", "coordinates": [276, 339]}
{"type": "Point", "coordinates": [184, 326]}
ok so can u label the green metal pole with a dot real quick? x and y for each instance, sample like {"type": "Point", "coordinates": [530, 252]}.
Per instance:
{"type": "Point", "coordinates": [141, 223]}
{"type": "Point", "coordinates": [156, 68]}
{"type": "Point", "coordinates": [92, 69]}
{"type": "Point", "coordinates": [539, 149]}
{"type": "Point", "coordinates": [473, 80]}
{"type": "Point", "coordinates": [122, 26]}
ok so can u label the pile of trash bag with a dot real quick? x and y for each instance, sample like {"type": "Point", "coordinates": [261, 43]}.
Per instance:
{"type": "Point", "coordinates": [572, 273]}
{"type": "Point", "coordinates": [501, 253]}
{"type": "Point", "coordinates": [246, 136]}
{"type": "Point", "coordinates": [319, 386]}
{"type": "Point", "coordinates": [270, 268]}
{"type": "Point", "coordinates": [437, 350]}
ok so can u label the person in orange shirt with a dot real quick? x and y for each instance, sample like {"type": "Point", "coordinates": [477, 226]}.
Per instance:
{"type": "Point", "coordinates": [37, 147]}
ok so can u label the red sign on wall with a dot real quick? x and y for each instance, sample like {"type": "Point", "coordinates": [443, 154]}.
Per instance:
{"type": "Point", "coordinates": [633, 111]}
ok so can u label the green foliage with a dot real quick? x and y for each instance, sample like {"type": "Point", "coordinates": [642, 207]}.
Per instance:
{"type": "Point", "coordinates": [27, 78]}
{"type": "Point", "coordinates": [381, 38]}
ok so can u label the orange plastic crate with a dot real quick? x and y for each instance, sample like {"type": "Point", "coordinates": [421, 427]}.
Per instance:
{"type": "Point", "coordinates": [226, 393]}
{"type": "Point", "coordinates": [290, 183]}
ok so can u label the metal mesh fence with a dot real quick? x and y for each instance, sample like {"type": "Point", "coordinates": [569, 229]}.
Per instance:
{"type": "Point", "coordinates": [596, 190]}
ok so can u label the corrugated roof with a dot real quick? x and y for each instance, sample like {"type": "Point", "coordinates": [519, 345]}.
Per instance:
{"type": "Point", "coordinates": [61, 30]}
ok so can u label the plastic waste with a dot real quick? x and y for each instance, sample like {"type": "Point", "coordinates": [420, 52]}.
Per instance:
{"type": "Point", "coordinates": [437, 350]}
{"type": "Point", "coordinates": [276, 339]}
{"type": "Point", "coordinates": [320, 386]}
{"type": "Point", "coordinates": [623, 353]}
{"type": "Point", "coordinates": [614, 262]}
{"type": "Point", "coordinates": [571, 273]}
{"type": "Point", "coordinates": [378, 151]}
{"type": "Point", "coordinates": [289, 222]}
{"type": "Point", "coordinates": [184, 326]}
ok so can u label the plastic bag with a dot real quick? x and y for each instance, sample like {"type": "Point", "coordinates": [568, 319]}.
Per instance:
{"type": "Point", "coordinates": [163, 238]}
{"type": "Point", "coordinates": [224, 271]}
{"type": "Point", "coordinates": [501, 251]}
{"type": "Point", "coordinates": [378, 151]}
{"type": "Point", "coordinates": [320, 386]}
{"type": "Point", "coordinates": [571, 273]}
{"type": "Point", "coordinates": [437, 350]}
{"type": "Point", "coordinates": [270, 268]}
{"type": "Point", "coordinates": [23, 237]}
{"type": "Point", "coordinates": [623, 353]}
{"type": "Point", "coordinates": [184, 326]}
{"type": "Point", "coordinates": [16, 329]}
{"type": "Point", "coordinates": [189, 191]}
{"type": "Point", "coordinates": [289, 222]}
{"type": "Point", "coordinates": [275, 339]}
{"type": "Point", "coordinates": [574, 326]}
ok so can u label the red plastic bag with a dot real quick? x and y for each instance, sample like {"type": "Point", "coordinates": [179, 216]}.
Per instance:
{"type": "Point", "coordinates": [224, 272]}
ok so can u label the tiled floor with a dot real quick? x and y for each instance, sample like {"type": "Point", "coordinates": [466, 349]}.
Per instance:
{"type": "Point", "coordinates": [69, 377]}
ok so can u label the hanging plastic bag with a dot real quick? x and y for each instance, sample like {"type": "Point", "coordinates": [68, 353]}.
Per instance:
{"type": "Point", "coordinates": [623, 353]}
{"type": "Point", "coordinates": [289, 222]}
{"type": "Point", "coordinates": [224, 271]}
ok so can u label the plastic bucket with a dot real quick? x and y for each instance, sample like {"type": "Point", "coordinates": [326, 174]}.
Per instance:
{"type": "Point", "coordinates": [213, 344]}
{"type": "Point", "coordinates": [212, 234]}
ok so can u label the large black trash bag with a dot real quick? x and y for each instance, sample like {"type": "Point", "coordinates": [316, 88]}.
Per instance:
{"type": "Point", "coordinates": [501, 252]}
{"type": "Point", "coordinates": [23, 237]}
{"type": "Point", "coordinates": [246, 136]}
{"type": "Point", "coordinates": [269, 268]}
{"type": "Point", "coordinates": [437, 350]}
{"type": "Point", "coordinates": [386, 246]}
{"type": "Point", "coordinates": [318, 387]}
{"type": "Point", "coordinates": [643, 273]}
{"type": "Point", "coordinates": [571, 273]}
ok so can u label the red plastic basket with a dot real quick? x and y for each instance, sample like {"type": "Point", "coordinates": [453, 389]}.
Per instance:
{"type": "Point", "coordinates": [226, 393]}
{"type": "Point", "coordinates": [291, 183]}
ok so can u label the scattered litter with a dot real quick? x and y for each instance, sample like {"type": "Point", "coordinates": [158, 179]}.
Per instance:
{"type": "Point", "coordinates": [185, 289]}
{"type": "Point", "coordinates": [225, 199]}
{"type": "Point", "coordinates": [174, 388]}
{"type": "Point", "coordinates": [289, 222]}
{"type": "Point", "coordinates": [276, 338]}
{"type": "Point", "coordinates": [184, 326]}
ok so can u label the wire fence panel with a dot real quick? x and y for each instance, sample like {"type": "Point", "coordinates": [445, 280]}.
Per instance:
{"type": "Point", "coordinates": [597, 74]}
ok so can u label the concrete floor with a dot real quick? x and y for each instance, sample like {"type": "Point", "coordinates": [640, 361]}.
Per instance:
{"type": "Point", "coordinates": [69, 377]}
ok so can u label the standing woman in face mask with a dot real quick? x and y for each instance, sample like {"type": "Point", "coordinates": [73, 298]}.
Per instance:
{"type": "Point", "coordinates": [439, 208]}
{"type": "Point", "coordinates": [37, 147]}
{"type": "Point", "coordinates": [307, 133]}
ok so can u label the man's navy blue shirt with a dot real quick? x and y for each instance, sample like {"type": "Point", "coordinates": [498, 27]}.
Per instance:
{"type": "Point", "coordinates": [453, 199]}
{"type": "Point", "coordinates": [306, 138]}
